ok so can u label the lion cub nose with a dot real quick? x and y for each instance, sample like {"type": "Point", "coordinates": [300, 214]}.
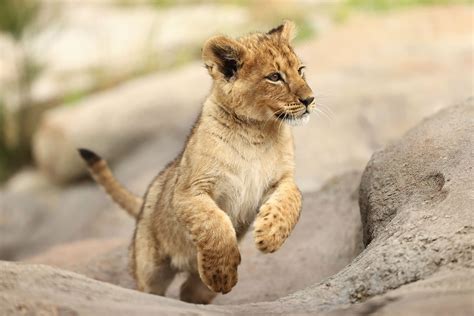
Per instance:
{"type": "Point", "coordinates": [307, 101]}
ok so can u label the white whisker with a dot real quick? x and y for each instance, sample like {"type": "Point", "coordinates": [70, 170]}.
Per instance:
{"type": "Point", "coordinates": [324, 113]}
{"type": "Point", "coordinates": [327, 109]}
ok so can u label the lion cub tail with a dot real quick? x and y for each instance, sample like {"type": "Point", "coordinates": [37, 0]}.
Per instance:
{"type": "Point", "coordinates": [101, 173]}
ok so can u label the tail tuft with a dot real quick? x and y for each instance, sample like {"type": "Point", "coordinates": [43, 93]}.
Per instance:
{"type": "Point", "coordinates": [89, 156]}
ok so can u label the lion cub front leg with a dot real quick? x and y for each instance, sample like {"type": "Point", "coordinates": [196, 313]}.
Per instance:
{"type": "Point", "coordinates": [214, 236]}
{"type": "Point", "coordinates": [278, 216]}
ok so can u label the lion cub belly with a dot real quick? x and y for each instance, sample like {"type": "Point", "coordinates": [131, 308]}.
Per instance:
{"type": "Point", "coordinates": [242, 192]}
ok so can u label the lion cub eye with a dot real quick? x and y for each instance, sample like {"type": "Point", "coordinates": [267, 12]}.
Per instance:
{"type": "Point", "coordinates": [301, 71]}
{"type": "Point", "coordinates": [275, 77]}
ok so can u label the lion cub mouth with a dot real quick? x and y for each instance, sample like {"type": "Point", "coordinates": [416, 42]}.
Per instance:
{"type": "Point", "coordinates": [294, 121]}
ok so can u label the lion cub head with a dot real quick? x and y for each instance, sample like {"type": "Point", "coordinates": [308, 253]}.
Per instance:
{"type": "Point", "coordinates": [259, 77]}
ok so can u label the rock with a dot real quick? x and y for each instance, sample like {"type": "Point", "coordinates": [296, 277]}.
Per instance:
{"type": "Point", "coordinates": [373, 90]}
{"type": "Point", "coordinates": [441, 294]}
{"type": "Point", "coordinates": [32, 221]}
{"type": "Point", "coordinates": [314, 246]}
{"type": "Point", "coordinates": [67, 256]}
{"type": "Point", "coordinates": [109, 265]}
{"type": "Point", "coordinates": [113, 123]}
{"type": "Point", "coordinates": [416, 226]}
{"type": "Point", "coordinates": [39, 289]}
{"type": "Point", "coordinates": [29, 180]}
{"type": "Point", "coordinates": [430, 167]}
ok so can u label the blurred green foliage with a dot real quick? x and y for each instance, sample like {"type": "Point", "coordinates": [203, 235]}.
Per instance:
{"type": "Point", "coordinates": [305, 29]}
{"type": "Point", "coordinates": [17, 15]}
{"type": "Point", "coordinates": [11, 158]}
{"type": "Point", "coordinates": [17, 18]}
{"type": "Point", "coordinates": [3, 150]}
{"type": "Point", "coordinates": [73, 97]}
{"type": "Point", "coordinates": [167, 3]}
{"type": "Point", "coordinates": [383, 5]}
{"type": "Point", "coordinates": [343, 11]}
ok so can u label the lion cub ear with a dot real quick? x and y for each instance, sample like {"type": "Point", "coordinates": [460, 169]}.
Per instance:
{"type": "Point", "coordinates": [223, 57]}
{"type": "Point", "coordinates": [286, 31]}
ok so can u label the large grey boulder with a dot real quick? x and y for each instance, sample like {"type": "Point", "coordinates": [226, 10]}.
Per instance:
{"type": "Point", "coordinates": [431, 168]}
{"type": "Point", "coordinates": [114, 123]}
{"type": "Point", "coordinates": [33, 221]}
{"type": "Point", "coordinates": [444, 293]}
{"type": "Point", "coordinates": [416, 205]}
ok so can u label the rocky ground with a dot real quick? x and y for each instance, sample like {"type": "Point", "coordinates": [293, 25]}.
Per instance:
{"type": "Point", "coordinates": [376, 77]}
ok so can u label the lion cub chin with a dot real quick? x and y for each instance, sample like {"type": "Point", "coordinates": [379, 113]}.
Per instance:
{"type": "Point", "coordinates": [237, 167]}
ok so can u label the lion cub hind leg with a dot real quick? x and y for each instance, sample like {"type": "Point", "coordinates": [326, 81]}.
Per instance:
{"type": "Point", "coordinates": [154, 278]}
{"type": "Point", "coordinates": [153, 274]}
{"type": "Point", "coordinates": [153, 271]}
{"type": "Point", "coordinates": [193, 290]}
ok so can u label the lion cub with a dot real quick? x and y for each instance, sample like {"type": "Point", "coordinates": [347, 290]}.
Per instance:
{"type": "Point", "coordinates": [237, 167]}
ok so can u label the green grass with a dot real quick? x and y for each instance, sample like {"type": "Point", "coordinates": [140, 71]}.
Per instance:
{"type": "Point", "coordinates": [17, 18]}
{"type": "Point", "coordinates": [384, 5]}
{"type": "Point", "coordinates": [73, 97]}
{"type": "Point", "coordinates": [3, 149]}
{"type": "Point", "coordinates": [169, 3]}
{"type": "Point", "coordinates": [17, 15]}
{"type": "Point", "coordinates": [305, 30]}
{"type": "Point", "coordinates": [344, 10]}
{"type": "Point", "coordinates": [11, 159]}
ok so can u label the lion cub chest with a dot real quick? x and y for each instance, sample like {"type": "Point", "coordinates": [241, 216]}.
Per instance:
{"type": "Point", "coordinates": [243, 190]}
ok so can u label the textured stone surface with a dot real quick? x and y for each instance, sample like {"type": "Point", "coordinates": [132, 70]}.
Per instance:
{"type": "Point", "coordinates": [444, 293]}
{"type": "Point", "coordinates": [432, 167]}
{"type": "Point", "coordinates": [33, 220]}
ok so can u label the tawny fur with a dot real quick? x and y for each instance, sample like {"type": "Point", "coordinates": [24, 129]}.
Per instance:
{"type": "Point", "coordinates": [237, 167]}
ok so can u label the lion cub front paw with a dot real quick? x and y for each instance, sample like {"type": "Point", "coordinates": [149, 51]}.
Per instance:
{"type": "Point", "coordinates": [218, 269]}
{"type": "Point", "coordinates": [271, 229]}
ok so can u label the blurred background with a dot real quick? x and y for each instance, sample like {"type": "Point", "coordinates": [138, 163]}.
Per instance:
{"type": "Point", "coordinates": [123, 78]}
